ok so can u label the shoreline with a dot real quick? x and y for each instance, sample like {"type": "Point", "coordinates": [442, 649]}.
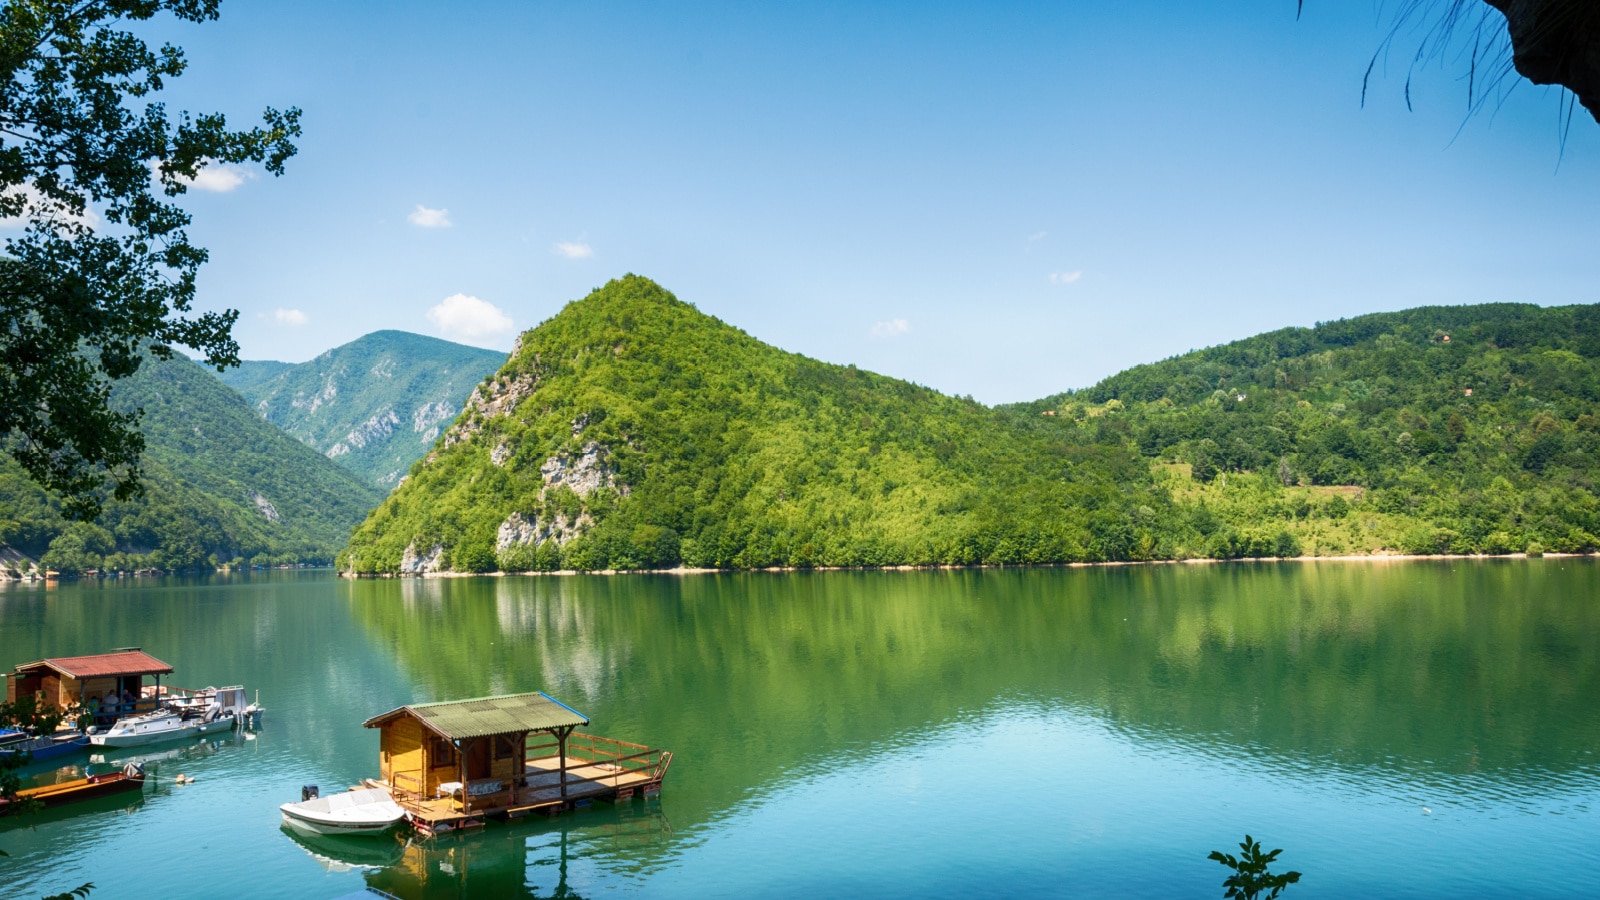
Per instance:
{"type": "Point", "coordinates": [685, 570]}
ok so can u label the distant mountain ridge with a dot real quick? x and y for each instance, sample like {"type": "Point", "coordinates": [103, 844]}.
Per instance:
{"type": "Point", "coordinates": [219, 482]}
{"type": "Point", "coordinates": [1440, 429]}
{"type": "Point", "coordinates": [374, 405]}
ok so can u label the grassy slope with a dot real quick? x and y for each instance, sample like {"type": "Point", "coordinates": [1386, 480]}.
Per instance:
{"type": "Point", "coordinates": [376, 403]}
{"type": "Point", "coordinates": [1379, 405]}
{"type": "Point", "coordinates": [207, 453]}
{"type": "Point", "coordinates": [739, 454]}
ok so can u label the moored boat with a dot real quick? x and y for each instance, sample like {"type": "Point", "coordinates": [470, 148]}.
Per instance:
{"type": "Point", "coordinates": [47, 747]}
{"type": "Point", "coordinates": [161, 725]}
{"type": "Point", "coordinates": [130, 778]}
{"type": "Point", "coordinates": [361, 811]}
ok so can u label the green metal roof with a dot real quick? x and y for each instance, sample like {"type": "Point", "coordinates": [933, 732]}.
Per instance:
{"type": "Point", "coordinates": [483, 716]}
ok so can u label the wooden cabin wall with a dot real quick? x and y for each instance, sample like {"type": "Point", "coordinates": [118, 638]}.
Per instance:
{"type": "Point", "coordinates": [443, 760]}
{"type": "Point", "coordinates": [61, 690]}
{"type": "Point", "coordinates": [401, 749]}
{"type": "Point", "coordinates": [511, 766]}
{"type": "Point", "coordinates": [94, 688]}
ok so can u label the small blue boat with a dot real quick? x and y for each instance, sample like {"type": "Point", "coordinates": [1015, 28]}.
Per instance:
{"type": "Point", "coordinates": [49, 747]}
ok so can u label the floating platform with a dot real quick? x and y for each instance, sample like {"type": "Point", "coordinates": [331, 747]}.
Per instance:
{"type": "Point", "coordinates": [454, 765]}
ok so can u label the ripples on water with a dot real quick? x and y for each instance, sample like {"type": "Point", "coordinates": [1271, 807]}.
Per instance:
{"type": "Point", "coordinates": [1402, 730]}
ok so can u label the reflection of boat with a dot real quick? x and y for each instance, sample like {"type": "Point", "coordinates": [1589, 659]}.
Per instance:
{"type": "Point", "coordinates": [48, 747]}
{"type": "Point", "coordinates": [161, 725]}
{"type": "Point", "coordinates": [337, 853]}
{"type": "Point", "coordinates": [364, 811]}
{"type": "Point", "coordinates": [131, 778]}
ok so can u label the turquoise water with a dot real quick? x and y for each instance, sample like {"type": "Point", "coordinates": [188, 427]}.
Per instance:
{"type": "Point", "coordinates": [1424, 729]}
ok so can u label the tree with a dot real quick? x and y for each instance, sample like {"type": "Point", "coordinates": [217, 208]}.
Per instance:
{"type": "Point", "coordinates": [1250, 879]}
{"type": "Point", "coordinates": [104, 273]}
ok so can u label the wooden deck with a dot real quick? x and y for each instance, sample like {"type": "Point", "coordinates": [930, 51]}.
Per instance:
{"type": "Point", "coordinates": [597, 769]}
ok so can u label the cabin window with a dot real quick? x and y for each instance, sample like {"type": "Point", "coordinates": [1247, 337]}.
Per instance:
{"type": "Point", "coordinates": [441, 752]}
{"type": "Point", "coordinates": [504, 748]}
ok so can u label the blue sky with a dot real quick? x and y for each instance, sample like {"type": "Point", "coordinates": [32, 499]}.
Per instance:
{"type": "Point", "coordinates": [999, 199]}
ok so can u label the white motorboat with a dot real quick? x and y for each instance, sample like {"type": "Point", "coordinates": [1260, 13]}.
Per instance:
{"type": "Point", "coordinates": [361, 811]}
{"type": "Point", "coordinates": [162, 725]}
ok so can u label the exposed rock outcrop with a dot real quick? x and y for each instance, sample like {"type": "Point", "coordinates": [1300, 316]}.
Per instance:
{"type": "Point", "coordinates": [371, 431]}
{"type": "Point", "coordinates": [411, 563]}
{"type": "Point", "coordinates": [265, 507]}
{"type": "Point", "coordinates": [488, 401]}
{"type": "Point", "coordinates": [518, 529]}
{"type": "Point", "coordinates": [588, 472]}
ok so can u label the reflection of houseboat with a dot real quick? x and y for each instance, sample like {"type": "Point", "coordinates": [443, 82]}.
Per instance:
{"type": "Point", "coordinates": [451, 765]}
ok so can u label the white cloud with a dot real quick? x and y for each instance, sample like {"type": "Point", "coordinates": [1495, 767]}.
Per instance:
{"type": "Point", "coordinates": [890, 328]}
{"type": "Point", "coordinates": [1065, 277]}
{"type": "Point", "coordinates": [425, 217]}
{"type": "Point", "coordinates": [289, 317]}
{"type": "Point", "coordinates": [218, 178]}
{"type": "Point", "coordinates": [1038, 236]}
{"type": "Point", "coordinates": [36, 203]}
{"type": "Point", "coordinates": [467, 318]}
{"type": "Point", "coordinates": [573, 249]}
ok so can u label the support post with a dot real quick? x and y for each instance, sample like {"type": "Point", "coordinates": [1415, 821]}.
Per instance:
{"type": "Point", "coordinates": [561, 742]}
{"type": "Point", "coordinates": [461, 760]}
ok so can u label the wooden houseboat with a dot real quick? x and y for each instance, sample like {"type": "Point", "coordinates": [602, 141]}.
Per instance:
{"type": "Point", "coordinates": [453, 764]}
{"type": "Point", "coordinates": [107, 685]}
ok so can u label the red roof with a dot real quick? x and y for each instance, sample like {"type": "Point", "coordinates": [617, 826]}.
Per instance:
{"type": "Point", "coordinates": [102, 665]}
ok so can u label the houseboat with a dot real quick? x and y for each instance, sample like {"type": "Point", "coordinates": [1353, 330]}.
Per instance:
{"type": "Point", "coordinates": [453, 764]}
{"type": "Point", "coordinates": [106, 686]}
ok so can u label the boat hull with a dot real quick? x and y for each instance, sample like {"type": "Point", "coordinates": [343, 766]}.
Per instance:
{"type": "Point", "coordinates": [81, 789]}
{"type": "Point", "coordinates": [50, 750]}
{"type": "Point", "coordinates": [362, 811]}
{"type": "Point", "coordinates": [141, 739]}
{"type": "Point", "coordinates": [313, 827]}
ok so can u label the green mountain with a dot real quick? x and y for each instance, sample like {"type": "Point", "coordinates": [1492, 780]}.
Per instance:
{"type": "Point", "coordinates": [374, 405]}
{"type": "Point", "coordinates": [631, 431]}
{"type": "Point", "coordinates": [1469, 429]}
{"type": "Point", "coordinates": [219, 482]}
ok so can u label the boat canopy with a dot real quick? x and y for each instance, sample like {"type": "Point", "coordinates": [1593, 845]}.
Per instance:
{"type": "Point", "coordinates": [484, 716]}
{"type": "Point", "coordinates": [118, 664]}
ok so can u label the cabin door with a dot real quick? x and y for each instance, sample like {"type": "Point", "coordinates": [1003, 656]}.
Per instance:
{"type": "Point", "coordinates": [478, 758]}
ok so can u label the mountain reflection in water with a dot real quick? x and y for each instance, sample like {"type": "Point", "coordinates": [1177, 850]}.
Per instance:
{"type": "Point", "coordinates": [1401, 728]}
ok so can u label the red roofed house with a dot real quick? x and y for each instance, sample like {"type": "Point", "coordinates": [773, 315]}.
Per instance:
{"type": "Point", "coordinates": [67, 680]}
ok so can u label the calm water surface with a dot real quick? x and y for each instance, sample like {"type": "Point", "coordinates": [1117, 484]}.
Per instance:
{"type": "Point", "coordinates": [1404, 730]}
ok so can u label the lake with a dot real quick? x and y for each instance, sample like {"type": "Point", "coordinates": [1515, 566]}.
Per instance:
{"type": "Point", "coordinates": [1416, 729]}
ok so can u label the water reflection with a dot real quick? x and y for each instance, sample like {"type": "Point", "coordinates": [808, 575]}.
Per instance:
{"type": "Point", "coordinates": [592, 852]}
{"type": "Point", "coordinates": [1471, 676]}
{"type": "Point", "coordinates": [820, 721]}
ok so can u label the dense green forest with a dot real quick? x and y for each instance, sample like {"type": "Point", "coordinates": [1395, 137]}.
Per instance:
{"type": "Point", "coordinates": [221, 485]}
{"type": "Point", "coordinates": [631, 430]}
{"type": "Point", "coordinates": [1469, 429]}
{"type": "Point", "coordinates": [374, 405]}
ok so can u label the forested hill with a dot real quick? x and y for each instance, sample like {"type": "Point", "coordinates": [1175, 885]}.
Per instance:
{"type": "Point", "coordinates": [221, 484]}
{"type": "Point", "coordinates": [374, 405]}
{"type": "Point", "coordinates": [631, 430]}
{"type": "Point", "coordinates": [1438, 429]}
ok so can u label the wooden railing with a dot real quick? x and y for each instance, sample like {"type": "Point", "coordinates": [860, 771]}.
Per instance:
{"type": "Point", "coordinates": [618, 758]}
{"type": "Point", "coordinates": [405, 788]}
